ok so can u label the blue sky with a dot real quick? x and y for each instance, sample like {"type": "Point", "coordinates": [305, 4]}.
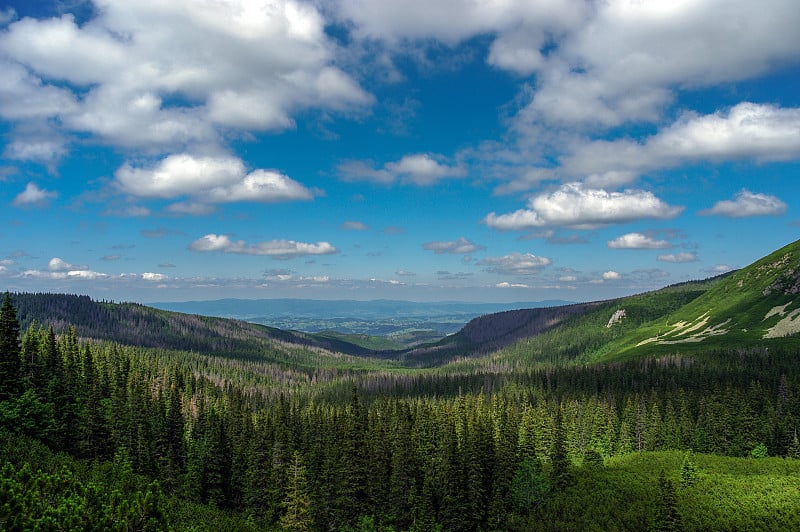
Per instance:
{"type": "Point", "coordinates": [421, 150]}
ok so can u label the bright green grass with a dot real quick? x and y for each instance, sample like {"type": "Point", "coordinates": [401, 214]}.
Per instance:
{"type": "Point", "coordinates": [728, 494]}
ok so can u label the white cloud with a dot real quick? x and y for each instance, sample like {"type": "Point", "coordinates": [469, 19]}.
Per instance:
{"type": "Point", "coordinates": [279, 249]}
{"type": "Point", "coordinates": [207, 180]}
{"type": "Point", "coordinates": [611, 275]}
{"type": "Point", "coordinates": [623, 62]}
{"type": "Point", "coordinates": [637, 241]}
{"type": "Point", "coordinates": [57, 264]}
{"type": "Point", "coordinates": [460, 246]}
{"type": "Point", "coordinates": [506, 284]}
{"type": "Point", "coordinates": [515, 264]}
{"type": "Point", "coordinates": [33, 195]}
{"type": "Point", "coordinates": [574, 205]}
{"type": "Point", "coordinates": [23, 96]}
{"type": "Point", "coordinates": [678, 257]}
{"type": "Point", "coordinates": [746, 131]}
{"type": "Point", "coordinates": [150, 276]}
{"type": "Point", "coordinates": [59, 269]}
{"type": "Point", "coordinates": [748, 204]}
{"type": "Point", "coordinates": [233, 64]}
{"type": "Point", "coordinates": [421, 169]}
{"type": "Point", "coordinates": [404, 273]}
{"type": "Point", "coordinates": [451, 21]}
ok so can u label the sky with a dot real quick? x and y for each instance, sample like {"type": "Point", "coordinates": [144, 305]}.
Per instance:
{"type": "Point", "coordinates": [497, 150]}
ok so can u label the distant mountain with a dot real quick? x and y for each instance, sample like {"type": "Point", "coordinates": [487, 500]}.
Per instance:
{"type": "Point", "coordinates": [756, 306]}
{"type": "Point", "coordinates": [264, 309]}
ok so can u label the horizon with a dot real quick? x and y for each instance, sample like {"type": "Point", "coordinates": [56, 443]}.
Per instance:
{"type": "Point", "coordinates": [390, 150]}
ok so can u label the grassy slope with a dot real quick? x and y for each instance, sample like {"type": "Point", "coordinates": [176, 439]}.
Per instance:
{"type": "Point", "coordinates": [586, 337]}
{"type": "Point", "coordinates": [736, 308]}
{"type": "Point", "coordinates": [729, 494]}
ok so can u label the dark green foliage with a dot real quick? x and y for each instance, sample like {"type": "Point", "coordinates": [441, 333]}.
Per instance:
{"type": "Point", "coordinates": [530, 486]}
{"type": "Point", "coordinates": [297, 503]}
{"type": "Point", "coordinates": [10, 355]}
{"type": "Point", "coordinates": [561, 469]}
{"type": "Point", "coordinates": [759, 451]}
{"type": "Point", "coordinates": [688, 470]}
{"type": "Point", "coordinates": [60, 501]}
{"type": "Point", "coordinates": [666, 518]}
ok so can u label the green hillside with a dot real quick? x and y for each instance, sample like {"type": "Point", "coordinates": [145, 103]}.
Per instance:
{"type": "Point", "coordinates": [757, 305]}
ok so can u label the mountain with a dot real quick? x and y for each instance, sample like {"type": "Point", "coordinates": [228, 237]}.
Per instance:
{"type": "Point", "coordinates": [753, 305]}
{"type": "Point", "coordinates": [757, 306]}
{"type": "Point", "coordinates": [139, 325]}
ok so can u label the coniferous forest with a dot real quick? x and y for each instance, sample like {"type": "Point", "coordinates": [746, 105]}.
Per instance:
{"type": "Point", "coordinates": [99, 434]}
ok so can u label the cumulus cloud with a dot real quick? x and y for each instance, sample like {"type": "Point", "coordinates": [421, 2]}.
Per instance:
{"type": "Point", "coordinates": [150, 276]}
{"type": "Point", "coordinates": [611, 275]}
{"type": "Point", "coordinates": [460, 247]}
{"type": "Point", "coordinates": [637, 241]}
{"type": "Point", "coordinates": [57, 264]}
{"type": "Point", "coordinates": [234, 65]}
{"type": "Point", "coordinates": [59, 269]}
{"type": "Point", "coordinates": [678, 257]}
{"type": "Point", "coordinates": [515, 264]}
{"type": "Point", "coordinates": [207, 180]}
{"type": "Point", "coordinates": [622, 62]}
{"type": "Point", "coordinates": [760, 132]}
{"type": "Point", "coordinates": [747, 204]}
{"type": "Point", "coordinates": [279, 249]}
{"type": "Point", "coordinates": [421, 169]}
{"type": "Point", "coordinates": [33, 196]}
{"type": "Point", "coordinates": [574, 205]}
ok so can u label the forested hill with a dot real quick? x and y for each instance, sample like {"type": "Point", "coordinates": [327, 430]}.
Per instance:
{"type": "Point", "coordinates": [139, 325]}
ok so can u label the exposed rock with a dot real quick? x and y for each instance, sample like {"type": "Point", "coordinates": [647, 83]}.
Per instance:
{"type": "Point", "coordinates": [616, 318]}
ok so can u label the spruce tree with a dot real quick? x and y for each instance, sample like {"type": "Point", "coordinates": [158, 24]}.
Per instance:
{"type": "Point", "coordinates": [558, 457]}
{"type": "Point", "coordinates": [667, 517]}
{"type": "Point", "coordinates": [10, 361]}
{"type": "Point", "coordinates": [688, 469]}
{"type": "Point", "coordinates": [297, 501]}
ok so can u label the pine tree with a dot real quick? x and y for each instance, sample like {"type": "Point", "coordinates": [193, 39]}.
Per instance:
{"type": "Point", "coordinates": [688, 469]}
{"type": "Point", "coordinates": [794, 447]}
{"type": "Point", "coordinates": [667, 517]}
{"type": "Point", "coordinates": [10, 361]}
{"type": "Point", "coordinates": [297, 501]}
{"type": "Point", "coordinates": [558, 457]}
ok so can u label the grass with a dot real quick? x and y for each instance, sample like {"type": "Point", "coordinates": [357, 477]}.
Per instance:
{"type": "Point", "coordinates": [728, 494]}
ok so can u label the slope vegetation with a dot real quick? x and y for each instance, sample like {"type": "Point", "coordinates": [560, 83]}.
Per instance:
{"type": "Point", "coordinates": [757, 305]}
{"type": "Point", "coordinates": [142, 326]}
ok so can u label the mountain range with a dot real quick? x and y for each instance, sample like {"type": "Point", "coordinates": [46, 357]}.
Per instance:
{"type": "Point", "coordinates": [757, 305]}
